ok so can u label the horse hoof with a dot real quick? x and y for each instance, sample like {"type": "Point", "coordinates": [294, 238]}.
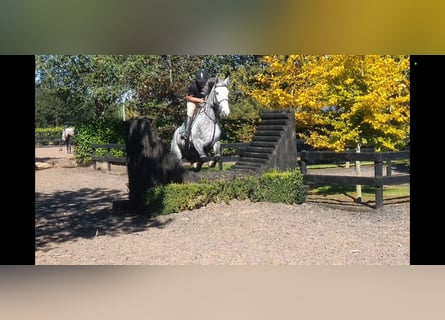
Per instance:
{"type": "Point", "coordinates": [212, 163]}
{"type": "Point", "coordinates": [197, 166]}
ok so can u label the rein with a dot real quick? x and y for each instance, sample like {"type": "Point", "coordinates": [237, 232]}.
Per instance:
{"type": "Point", "coordinates": [215, 103]}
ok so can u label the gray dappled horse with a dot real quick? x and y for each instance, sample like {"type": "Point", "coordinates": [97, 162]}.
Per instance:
{"type": "Point", "coordinates": [206, 130]}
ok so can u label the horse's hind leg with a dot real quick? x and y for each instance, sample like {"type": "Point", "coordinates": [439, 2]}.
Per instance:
{"type": "Point", "coordinates": [199, 147]}
{"type": "Point", "coordinates": [174, 148]}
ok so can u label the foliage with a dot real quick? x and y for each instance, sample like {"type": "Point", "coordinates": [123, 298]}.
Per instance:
{"type": "Point", "coordinates": [276, 186]}
{"type": "Point", "coordinates": [175, 197]}
{"type": "Point", "coordinates": [83, 88]}
{"type": "Point", "coordinates": [160, 84]}
{"type": "Point", "coordinates": [273, 186]}
{"type": "Point", "coordinates": [107, 131]}
{"type": "Point", "coordinates": [47, 135]}
{"type": "Point", "coordinates": [49, 109]}
{"type": "Point", "coordinates": [346, 192]}
{"type": "Point", "coordinates": [341, 101]}
{"type": "Point", "coordinates": [52, 130]}
{"type": "Point", "coordinates": [238, 188]}
{"type": "Point", "coordinates": [86, 87]}
{"type": "Point", "coordinates": [239, 130]}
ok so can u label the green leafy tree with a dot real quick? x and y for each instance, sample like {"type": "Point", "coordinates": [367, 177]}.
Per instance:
{"type": "Point", "coordinates": [156, 87]}
{"type": "Point", "coordinates": [159, 85]}
{"type": "Point", "coordinates": [81, 88]}
{"type": "Point", "coordinates": [49, 109]}
{"type": "Point", "coordinates": [88, 86]}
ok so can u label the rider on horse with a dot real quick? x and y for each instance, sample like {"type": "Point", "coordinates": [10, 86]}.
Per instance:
{"type": "Point", "coordinates": [194, 97]}
{"type": "Point", "coordinates": [205, 132]}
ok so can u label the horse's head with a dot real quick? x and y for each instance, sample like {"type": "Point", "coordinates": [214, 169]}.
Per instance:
{"type": "Point", "coordinates": [221, 97]}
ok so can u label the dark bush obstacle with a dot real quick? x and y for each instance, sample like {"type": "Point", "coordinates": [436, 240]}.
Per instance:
{"type": "Point", "coordinates": [149, 161]}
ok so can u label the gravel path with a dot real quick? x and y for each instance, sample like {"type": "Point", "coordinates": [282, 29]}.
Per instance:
{"type": "Point", "coordinates": [76, 226]}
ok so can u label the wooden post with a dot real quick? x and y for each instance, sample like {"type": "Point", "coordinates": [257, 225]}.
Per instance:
{"type": "Point", "coordinates": [388, 168]}
{"type": "Point", "coordinates": [358, 188]}
{"type": "Point", "coordinates": [220, 161]}
{"type": "Point", "coordinates": [94, 161]}
{"type": "Point", "coordinates": [378, 172]}
{"type": "Point", "coordinates": [108, 159]}
{"type": "Point", "coordinates": [303, 163]}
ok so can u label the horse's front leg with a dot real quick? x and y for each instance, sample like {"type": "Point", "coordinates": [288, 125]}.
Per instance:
{"type": "Point", "coordinates": [217, 152]}
{"type": "Point", "coordinates": [199, 147]}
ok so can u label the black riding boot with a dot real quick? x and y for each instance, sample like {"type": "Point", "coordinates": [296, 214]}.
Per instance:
{"type": "Point", "coordinates": [186, 133]}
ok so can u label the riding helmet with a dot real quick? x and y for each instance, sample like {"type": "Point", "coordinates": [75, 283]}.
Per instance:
{"type": "Point", "coordinates": [202, 76]}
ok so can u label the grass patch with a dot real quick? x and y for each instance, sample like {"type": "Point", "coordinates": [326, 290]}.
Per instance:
{"type": "Point", "coordinates": [338, 165]}
{"type": "Point", "coordinates": [205, 167]}
{"type": "Point", "coordinates": [394, 163]}
{"type": "Point", "coordinates": [341, 192]}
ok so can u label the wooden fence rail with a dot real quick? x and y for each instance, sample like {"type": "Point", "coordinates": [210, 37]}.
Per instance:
{"type": "Point", "coordinates": [48, 139]}
{"type": "Point", "coordinates": [239, 148]}
{"type": "Point", "coordinates": [304, 158]}
{"type": "Point", "coordinates": [377, 181]}
{"type": "Point", "coordinates": [108, 158]}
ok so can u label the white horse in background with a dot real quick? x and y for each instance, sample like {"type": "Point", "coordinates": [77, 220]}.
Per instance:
{"type": "Point", "coordinates": [206, 129]}
{"type": "Point", "coordinates": [67, 137]}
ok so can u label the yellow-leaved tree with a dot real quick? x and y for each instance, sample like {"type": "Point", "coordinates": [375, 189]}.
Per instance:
{"type": "Point", "coordinates": [341, 101]}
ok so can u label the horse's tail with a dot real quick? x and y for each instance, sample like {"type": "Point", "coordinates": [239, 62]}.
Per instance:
{"type": "Point", "coordinates": [173, 142]}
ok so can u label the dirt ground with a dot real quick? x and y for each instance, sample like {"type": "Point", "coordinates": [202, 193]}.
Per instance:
{"type": "Point", "coordinates": [75, 225]}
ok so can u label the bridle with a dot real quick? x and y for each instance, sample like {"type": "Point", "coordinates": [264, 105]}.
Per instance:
{"type": "Point", "coordinates": [218, 102]}
{"type": "Point", "coordinates": [215, 103]}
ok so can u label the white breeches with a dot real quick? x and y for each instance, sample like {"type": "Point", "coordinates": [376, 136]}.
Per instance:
{"type": "Point", "coordinates": [191, 108]}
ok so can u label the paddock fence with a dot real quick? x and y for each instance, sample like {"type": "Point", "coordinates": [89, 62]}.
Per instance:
{"type": "Point", "coordinates": [305, 158]}
{"type": "Point", "coordinates": [109, 158]}
{"type": "Point", "coordinates": [48, 139]}
{"type": "Point", "coordinates": [377, 181]}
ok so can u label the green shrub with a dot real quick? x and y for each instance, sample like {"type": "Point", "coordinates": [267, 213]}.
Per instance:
{"type": "Point", "coordinates": [108, 131]}
{"type": "Point", "coordinates": [174, 197]}
{"type": "Point", "coordinates": [280, 186]}
{"type": "Point", "coordinates": [239, 130]}
{"type": "Point", "coordinates": [274, 186]}
{"type": "Point", "coordinates": [240, 188]}
{"type": "Point", "coordinates": [44, 136]}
